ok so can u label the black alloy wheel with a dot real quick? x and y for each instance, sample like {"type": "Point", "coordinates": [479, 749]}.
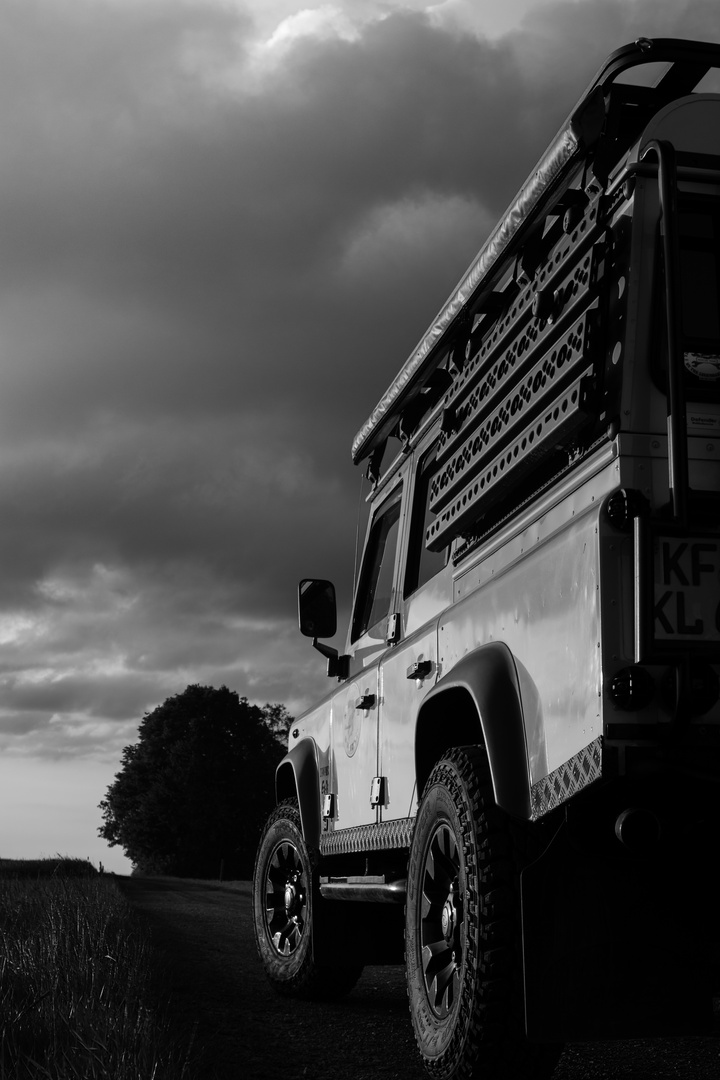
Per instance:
{"type": "Point", "coordinates": [442, 936]}
{"type": "Point", "coordinates": [286, 898]}
{"type": "Point", "coordinates": [286, 904]}
{"type": "Point", "coordinates": [463, 930]}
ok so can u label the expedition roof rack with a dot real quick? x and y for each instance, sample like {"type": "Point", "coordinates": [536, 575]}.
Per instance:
{"type": "Point", "coordinates": [634, 83]}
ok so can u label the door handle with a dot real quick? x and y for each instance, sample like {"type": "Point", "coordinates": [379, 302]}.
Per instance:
{"type": "Point", "coordinates": [367, 701]}
{"type": "Point", "coordinates": [419, 670]}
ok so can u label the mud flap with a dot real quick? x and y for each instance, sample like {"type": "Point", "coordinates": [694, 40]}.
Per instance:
{"type": "Point", "coordinates": [614, 947]}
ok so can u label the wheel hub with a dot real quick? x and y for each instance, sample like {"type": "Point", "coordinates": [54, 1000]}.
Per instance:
{"type": "Point", "coordinates": [448, 920]}
{"type": "Point", "coordinates": [293, 895]}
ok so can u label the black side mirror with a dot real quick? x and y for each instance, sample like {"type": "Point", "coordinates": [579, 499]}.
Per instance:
{"type": "Point", "coordinates": [317, 608]}
{"type": "Point", "coordinates": [317, 612]}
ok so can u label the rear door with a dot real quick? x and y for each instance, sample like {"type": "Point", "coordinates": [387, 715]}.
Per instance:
{"type": "Point", "coordinates": [409, 669]}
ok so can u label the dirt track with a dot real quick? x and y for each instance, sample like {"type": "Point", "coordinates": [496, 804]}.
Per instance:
{"type": "Point", "coordinates": [205, 930]}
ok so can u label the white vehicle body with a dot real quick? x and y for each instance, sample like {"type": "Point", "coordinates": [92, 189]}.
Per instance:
{"type": "Point", "coordinates": [541, 581]}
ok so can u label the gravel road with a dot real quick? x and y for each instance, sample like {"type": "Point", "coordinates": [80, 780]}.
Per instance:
{"type": "Point", "coordinates": [205, 932]}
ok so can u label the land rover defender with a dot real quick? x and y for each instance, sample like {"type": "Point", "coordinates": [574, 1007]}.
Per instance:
{"type": "Point", "coordinates": [513, 784]}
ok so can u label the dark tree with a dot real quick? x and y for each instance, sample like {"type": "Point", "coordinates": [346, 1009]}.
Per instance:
{"type": "Point", "coordinates": [198, 785]}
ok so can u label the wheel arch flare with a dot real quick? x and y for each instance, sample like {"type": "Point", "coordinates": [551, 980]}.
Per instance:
{"type": "Point", "coordinates": [297, 776]}
{"type": "Point", "coordinates": [479, 702]}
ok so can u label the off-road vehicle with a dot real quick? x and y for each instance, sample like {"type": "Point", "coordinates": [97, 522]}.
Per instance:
{"type": "Point", "coordinates": [513, 784]}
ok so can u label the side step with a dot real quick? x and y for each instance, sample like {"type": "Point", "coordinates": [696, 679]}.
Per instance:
{"type": "Point", "coordinates": [375, 890]}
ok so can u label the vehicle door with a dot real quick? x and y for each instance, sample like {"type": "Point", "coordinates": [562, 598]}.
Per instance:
{"type": "Point", "coordinates": [410, 668]}
{"type": "Point", "coordinates": [356, 704]}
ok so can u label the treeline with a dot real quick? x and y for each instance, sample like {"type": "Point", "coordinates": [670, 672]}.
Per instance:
{"type": "Point", "coordinates": [194, 792]}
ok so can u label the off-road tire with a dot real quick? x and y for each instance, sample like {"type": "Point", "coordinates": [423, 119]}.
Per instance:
{"type": "Point", "coordinates": [463, 930]}
{"type": "Point", "coordinates": [285, 899]}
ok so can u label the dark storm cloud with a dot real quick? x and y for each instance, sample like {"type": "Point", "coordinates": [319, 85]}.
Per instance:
{"type": "Point", "coordinates": [211, 269]}
{"type": "Point", "coordinates": [158, 491]}
{"type": "Point", "coordinates": [184, 240]}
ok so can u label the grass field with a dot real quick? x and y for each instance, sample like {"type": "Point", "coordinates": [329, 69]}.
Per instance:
{"type": "Point", "coordinates": [80, 991]}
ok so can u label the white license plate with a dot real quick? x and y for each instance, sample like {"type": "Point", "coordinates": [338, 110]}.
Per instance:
{"type": "Point", "coordinates": [686, 596]}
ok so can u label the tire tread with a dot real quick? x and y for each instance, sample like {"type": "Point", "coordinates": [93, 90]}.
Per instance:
{"type": "Point", "coordinates": [488, 1040]}
{"type": "Point", "coordinates": [309, 980]}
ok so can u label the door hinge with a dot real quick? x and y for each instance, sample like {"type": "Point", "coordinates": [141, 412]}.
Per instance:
{"type": "Point", "coordinates": [330, 806]}
{"type": "Point", "coordinates": [378, 791]}
{"type": "Point", "coordinates": [394, 628]}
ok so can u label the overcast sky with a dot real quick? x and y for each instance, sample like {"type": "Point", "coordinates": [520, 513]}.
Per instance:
{"type": "Point", "coordinates": [224, 226]}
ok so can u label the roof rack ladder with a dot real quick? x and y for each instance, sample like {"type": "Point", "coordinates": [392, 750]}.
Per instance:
{"type": "Point", "coordinates": [677, 416]}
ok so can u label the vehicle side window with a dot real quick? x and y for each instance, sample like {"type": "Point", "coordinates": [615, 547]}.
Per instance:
{"type": "Point", "coordinates": [421, 563]}
{"type": "Point", "coordinates": [376, 577]}
{"type": "Point", "coordinates": [699, 288]}
{"type": "Point", "coordinates": [699, 285]}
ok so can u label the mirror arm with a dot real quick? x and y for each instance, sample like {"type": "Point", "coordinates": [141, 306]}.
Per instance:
{"type": "Point", "coordinates": [338, 666]}
{"type": "Point", "coordinates": [326, 650]}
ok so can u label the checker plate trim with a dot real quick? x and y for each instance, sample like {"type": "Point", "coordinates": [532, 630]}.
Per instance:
{"type": "Point", "coordinates": [384, 836]}
{"type": "Point", "coordinates": [562, 783]}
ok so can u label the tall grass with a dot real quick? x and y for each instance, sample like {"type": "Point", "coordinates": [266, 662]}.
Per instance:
{"type": "Point", "coordinates": [79, 996]}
